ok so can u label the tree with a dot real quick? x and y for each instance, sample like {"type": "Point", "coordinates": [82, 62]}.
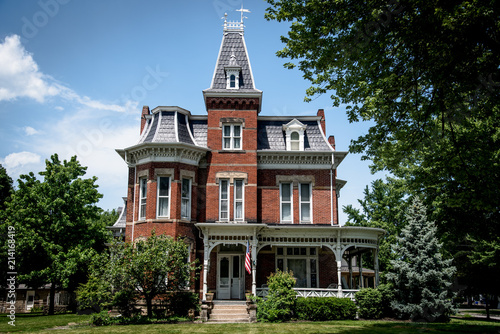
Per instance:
{"type": "Point", "coordinates": [384, 206]}
{"type": "Point", "coordinates": [149, 268]}
{"type": "Point", "coordinates": [279, 303]}
{"type": "Point", "coordinates": [5, 192]}
{"type": "Point", "coordinates": [421, 276]}
{"type": "Point", "coordinates": [5, 187]}
{"type": "Point", "coordinates": [108, 217]}
{"type": "Point", "coordinates": [55, 235]}
{"type": "Point", "coordinates": [427, 74]}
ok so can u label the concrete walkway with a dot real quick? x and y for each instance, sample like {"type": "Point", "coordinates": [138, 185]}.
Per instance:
{"type": "Point", "coordinates": [473, 313]}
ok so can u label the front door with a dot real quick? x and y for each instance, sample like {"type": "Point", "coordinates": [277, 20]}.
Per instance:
{"type": "Point", "coordinates": [30, 299]}
{"type": "Point", "coordinates": [230, 280]}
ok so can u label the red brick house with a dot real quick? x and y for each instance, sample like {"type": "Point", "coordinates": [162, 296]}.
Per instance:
{"type": "Point", "coordinates": [233, 178]}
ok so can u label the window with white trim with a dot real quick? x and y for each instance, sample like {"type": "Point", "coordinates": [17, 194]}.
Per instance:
{"type": "Point", "coordinates": [305, 202]}
{"type": "Point", "coordinates": [186, 199]}
{"type": "Point", "coordinates": [239, 209]}
{"type": "Point", "coordinates": [303, 261]}
{"type": "Point", "coordinates": [163, 193]}
{"type": "Point", "coordinates": [286, 200]}
{"type": "Point", "coordinates": [143, 191]}
{"type": "Point", "coordinates": [231, 137]}
{"type": "Point", "coordinates": [295, 141]}
{"type": "Point", "coordinates": [224, 200]}
{"type": "Point", "coordinates": [232, 81]}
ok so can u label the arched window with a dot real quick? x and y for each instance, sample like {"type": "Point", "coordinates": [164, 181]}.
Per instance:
{"type": "Point", "coordinates": [295, 141]}
{"type": "Point", "coordinates": [232, 81]}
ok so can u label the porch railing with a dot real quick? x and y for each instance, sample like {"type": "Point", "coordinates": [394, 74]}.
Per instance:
{"type": "Point", "coordinates": [316, 292]}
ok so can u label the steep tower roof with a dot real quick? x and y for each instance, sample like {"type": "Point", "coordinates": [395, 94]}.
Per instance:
{"type": "Point", "coordinates": [233, 61]}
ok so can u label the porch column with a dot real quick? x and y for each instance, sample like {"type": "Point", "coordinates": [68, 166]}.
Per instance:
{"type": "Point", "coordinates": [206, 264]}
{"type": "Point", "coordinates": [339, 277]}
{"type": "Point", "coordinates": [375, 259]}
{"type": "Point", "coordinates": [254, 267]}
{"type": "Point", "coordinates": [360, 266]}
{"type": "Point", "coordinates": [350, 272]}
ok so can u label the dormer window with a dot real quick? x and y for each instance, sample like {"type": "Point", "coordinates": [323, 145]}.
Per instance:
{"type": "Point", "coordinates": [294, 131]}
{"type": "Point", "coordinates": [295, 141]}
{"type": "Point", "coordinates": [233, 71]}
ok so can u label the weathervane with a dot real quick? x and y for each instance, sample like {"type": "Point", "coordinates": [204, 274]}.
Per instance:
{"type": "Point", "coordinates": [235, 25]}
{"type": "Point", "coordinates": [243, 11]}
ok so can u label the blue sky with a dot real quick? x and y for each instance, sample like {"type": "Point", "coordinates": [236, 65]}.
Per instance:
{"type": "Point", "coordinates": [75, 74]}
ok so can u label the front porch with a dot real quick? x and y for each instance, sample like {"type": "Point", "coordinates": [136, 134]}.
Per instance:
{"type": "Point", "coordinates": [319, 255]}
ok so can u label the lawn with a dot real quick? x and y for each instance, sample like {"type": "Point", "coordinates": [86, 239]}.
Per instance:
{"type": "Point", "coordinates": [41, 324]}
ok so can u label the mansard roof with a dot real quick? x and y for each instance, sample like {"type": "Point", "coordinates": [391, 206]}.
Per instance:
{"type": "Point", "coordinates": [173, 125]}
{"type": "Point", "coordinates": [233, 43]}
{"type": "Point", "coordinates": [271, 136]}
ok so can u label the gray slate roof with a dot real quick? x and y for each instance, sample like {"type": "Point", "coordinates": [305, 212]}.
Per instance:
{"type": "Point", "coordinates": [163, 128]}
{"type": "Point", "coordinates": [233, 43]}
{"type": "Point", "coordinates": [271, 136]}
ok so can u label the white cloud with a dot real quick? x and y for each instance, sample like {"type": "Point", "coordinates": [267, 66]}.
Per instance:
{"type": "Point", "coordinates": [30, 131]}
{"type": "Point", "coordinates": [22, 78]}
{"type": "Point", "coordinates": [20, 159]}
{"type": "Point", "coordinates": [19, 74]}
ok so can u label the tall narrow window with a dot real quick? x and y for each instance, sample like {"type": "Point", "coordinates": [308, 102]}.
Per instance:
{"type": "Point", "coordinates": [186, 199]}
{"type": "Point", "coordinates": [305, 202]}
{"type": "Point", "coordinates": [286, 202]}
{"type": "Point", "coordinates": [238, 200]}
{"type": "Point", "coordinates": [224, 200]}
{"type": "Point", "coordinates": [143, 188]}
{"type": "Point", "coordinates": [163, 203]}
{"type": "Point", "coordinates": [231, 137]}
{"type": "Point", "coordinates": [295, 141]}
{"type": "Point", "coordinates": [232, 81]}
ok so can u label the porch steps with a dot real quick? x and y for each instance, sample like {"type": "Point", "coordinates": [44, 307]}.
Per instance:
{"type": "Point", "coordinates": [229, 311]}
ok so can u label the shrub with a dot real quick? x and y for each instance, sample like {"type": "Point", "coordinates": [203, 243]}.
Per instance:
{"type": "Point", "coordinates": [180, 303]}
{"type": "Point", "coordinates": [100, 319]}
{"type": "Point", "coordinates": [279, 303]}
{"type": "Point", "coordinates": [370, 303]}
{"type": "Point", "coordinates": [325, 308]}
{"type": "Point", "coordinates": [387, 292]}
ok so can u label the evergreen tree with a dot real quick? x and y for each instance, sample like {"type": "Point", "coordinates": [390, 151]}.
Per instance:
{"type": "Point", "coordinates": [421, 277]}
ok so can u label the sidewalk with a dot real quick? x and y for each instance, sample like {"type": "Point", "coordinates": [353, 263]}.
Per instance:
{"type": "Point", "coordinates": [473, 313]}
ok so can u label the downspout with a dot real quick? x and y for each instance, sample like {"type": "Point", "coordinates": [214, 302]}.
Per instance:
{"type": "Point", "coordinates": [331, 190]}
{"type": "Point", "coordinates": [133, 208]}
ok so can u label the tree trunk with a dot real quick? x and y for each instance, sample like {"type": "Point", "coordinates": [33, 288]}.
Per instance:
{"type": "Point", "coordinates": [52, 298]}
{"type": "Point", "coordinates": [486, 299]}
{"type": "Point", "coordinates": [149, 305]}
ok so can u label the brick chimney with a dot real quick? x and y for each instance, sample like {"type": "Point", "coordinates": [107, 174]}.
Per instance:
{"type": "Point", "coordinates": [321, 112]}
{"type": "Point", "coordinates": [145, 111]}
{"type": "Point", "coordinates": [331, 141]}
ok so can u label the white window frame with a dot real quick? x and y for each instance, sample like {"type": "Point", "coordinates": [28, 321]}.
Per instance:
{"type": "Point", "coordinates": [232, 137]}
{"type": "Point", "coordinates": [228, 188]}
{"type": "Point", "coordinates": [143, 196]}
{"type": "Point", "coordinates": [283, 202]}
{"type": "Point", "coordinates": [306, 257]}
{"type": "Point", "coordinates": [305, 202]}
{"type": "Point", "coordinates": [294, 126]}
{"type": "Point", "coordinates": [239, 200]}
{"type": "Point", "coordinates": [188, 198]}
{"type": "Point", "coordinates": [168, 197]}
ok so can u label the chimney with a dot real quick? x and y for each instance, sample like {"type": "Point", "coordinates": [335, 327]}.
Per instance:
{"type": "Point", "coordinates": [145, 111]}
{"type": "Point", "coordinates": [331, 141]}
{"type": "Point", "coordinates": [321, 112]}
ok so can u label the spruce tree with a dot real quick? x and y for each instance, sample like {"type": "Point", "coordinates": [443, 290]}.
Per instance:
{"type": "Point", "coordinates": [421, 276]}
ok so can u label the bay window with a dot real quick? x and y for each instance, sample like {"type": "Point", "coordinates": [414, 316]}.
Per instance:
{"type": "Point", "coordinates": [163, 200]}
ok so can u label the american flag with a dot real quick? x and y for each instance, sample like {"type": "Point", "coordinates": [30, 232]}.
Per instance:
{"type": "Point", "coordinates": [248, 263]}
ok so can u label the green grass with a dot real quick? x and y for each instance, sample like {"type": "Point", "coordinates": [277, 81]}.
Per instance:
{"type": "Point", "coordinates": [41, 324]}
{"type": "Point", "coordinates": [481, 311]}
{"type": "Point", "coordinates": [29, 323]}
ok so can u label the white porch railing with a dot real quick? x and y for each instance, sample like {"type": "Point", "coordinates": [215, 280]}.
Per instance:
{"type": "Point", "coordinates": [315, 292]}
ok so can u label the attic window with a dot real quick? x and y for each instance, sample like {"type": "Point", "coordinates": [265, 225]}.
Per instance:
{"type": "Point", "coordinates": [295, 141]}
{"type": "Point", "coordinates": [232, 81]}
{"type": "Point", "coordinates": [294, 131]}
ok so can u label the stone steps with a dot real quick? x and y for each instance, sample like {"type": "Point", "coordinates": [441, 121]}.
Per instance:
{"type": "Point", "coordinates": [229, 311]}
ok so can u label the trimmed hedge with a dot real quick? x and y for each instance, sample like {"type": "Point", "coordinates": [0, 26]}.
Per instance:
{"type": "Point", "coordinates": [370, 303]}
{"type": "Point", "coordinates": [325, 308]}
